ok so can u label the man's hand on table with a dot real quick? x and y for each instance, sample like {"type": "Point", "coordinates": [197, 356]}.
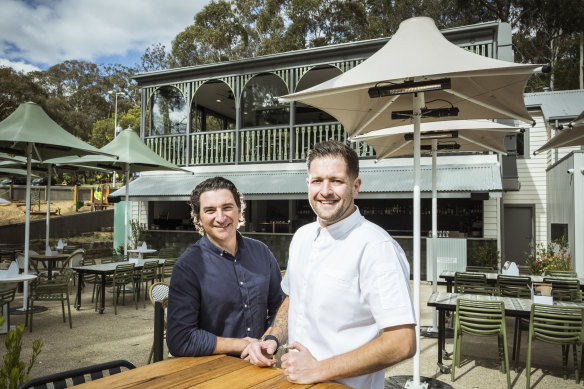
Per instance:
{"type": "Point", "coordinates": [260, 353]}
{"type": "Point", "coordinates": [299, 366]}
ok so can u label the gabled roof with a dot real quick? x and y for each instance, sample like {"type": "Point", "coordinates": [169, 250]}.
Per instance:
{"type": "Point", "coordinates": [561, 105]}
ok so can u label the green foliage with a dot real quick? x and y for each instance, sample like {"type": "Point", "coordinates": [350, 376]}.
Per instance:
{"type": "Point", "coordinates": [137, 232]}
{"type": "Point", "coordinates": [553, 256]}
{"type": "Point", "coordinates": [14, 372]}
{"type": "Point", "coordinates": [486, 255]}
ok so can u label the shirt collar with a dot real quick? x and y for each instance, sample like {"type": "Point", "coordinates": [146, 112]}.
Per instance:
{"type": "Point", "coordinates": [340, 228]}
{"type": "Point", "coordinates": [218, 250]}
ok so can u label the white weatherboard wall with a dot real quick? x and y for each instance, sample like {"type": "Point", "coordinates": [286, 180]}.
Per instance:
{"type": "Point", "coordinates": [490, 219]}
{"type": "Point", "coordinates": [532, 176]}
{"type": "Point", "coordinates": [565, 205]}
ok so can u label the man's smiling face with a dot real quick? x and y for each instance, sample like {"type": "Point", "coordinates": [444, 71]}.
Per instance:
{"type": "Point", "coordinates": [331, 192]}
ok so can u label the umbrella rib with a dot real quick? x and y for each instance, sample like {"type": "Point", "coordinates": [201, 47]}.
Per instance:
{"type": "Point", "coordinates": [490, 148]}
{"type": "Point", "coordinates": [489, 106]}
{"type": "Point", "coordinates": [37, 153]}
{"type": "Point", "coordinates": [391, 152]}
{"type": "Point", "coordinates": [361, 127]}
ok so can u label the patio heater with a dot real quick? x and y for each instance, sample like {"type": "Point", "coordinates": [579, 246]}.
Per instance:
{"type": "Point", "coordinates": [419, 110]}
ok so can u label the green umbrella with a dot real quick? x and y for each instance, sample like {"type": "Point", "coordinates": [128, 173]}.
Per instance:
{"type": "Point", "coordinates": [133, 156]}
{"type": "Point", "coordinates": [29, 129]}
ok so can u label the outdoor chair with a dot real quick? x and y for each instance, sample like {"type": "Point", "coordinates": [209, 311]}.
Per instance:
{"type": "Point", "coordinates": [32, 267]}
{"type": "Point", "coordinates": [156, 352]}
{"type": "Point", "coordinates": [56, 289]}
{"type": "Point", "coordinates": [79, 376]}
{"type": "Point", "coordinates": [481, 318]}
{"type": "Point", "coordinates": [166, 270]}
{"type": "Point", "coordinates": [480, 269]}
{"type": "Point", "coordinates": [75, 259]}
{"type": "Point", "coordinates": [123, 275]}
{"type": "Point", "coordinates": [158, 293]}
{"type": "Point", "coordinates": [166, 252]}
{"type": "Point", "coordinates": [556, 325]}
{"type": "Point", "coordinates": [7, 293]}
{"type": "Point", "coordinates": [148, 274]}
{"type": "Point", "coordinates": [565, 289]}
{"type": "Point", "coordinates": [561, 273]}
{"type": "Point", "coordinates": [515, 286]}
{"type": "Point", "coordinates": [472, 283]}
{"type": "Point", "coordinates": [89, 278]}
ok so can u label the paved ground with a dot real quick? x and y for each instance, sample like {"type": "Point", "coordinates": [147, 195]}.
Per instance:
{"type": "Point", "coordinates": [128, 335]}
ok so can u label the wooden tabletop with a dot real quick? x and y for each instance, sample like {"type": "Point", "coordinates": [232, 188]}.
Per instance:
{"type": "Point", "coordinates": [212, 372]}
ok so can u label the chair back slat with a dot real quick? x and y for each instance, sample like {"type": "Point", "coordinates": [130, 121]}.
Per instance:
{"type": "Point", "coordinates": [514, 286]}
{"type": "Point", "coordinates": [565, 289]}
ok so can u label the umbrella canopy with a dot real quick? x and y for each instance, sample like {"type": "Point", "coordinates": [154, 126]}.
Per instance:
{"type": "Point", "coordinates": [481, 87]}
{"type": "Point", "coordinates": [452, 135]}
{"type": "Point", "coordinates": [420, 76]}
{"type": "Point", "coordinates": [9, 171]}
{"type": "Point", "coordinates": [573, 135]}
{"type": "Point", "coordinates": [29, 129]}
{"type": "Point", "coordinates": [133, 156]}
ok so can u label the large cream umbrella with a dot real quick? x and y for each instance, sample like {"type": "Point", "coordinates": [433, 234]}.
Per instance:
{"type": "Point", "coordinates": [571, 134]}
{"type": "Point", "coordinates": [445, 136]}
{"type": "Point", "coordinates": [133, 156]}
{"type": "Point", "coordinates": [444, 81]}
{"type": "Point", "coordinates": [30, 131]}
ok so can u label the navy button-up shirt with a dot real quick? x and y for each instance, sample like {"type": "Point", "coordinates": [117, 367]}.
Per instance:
{"type": "Point", "coordinates": [212, 293]}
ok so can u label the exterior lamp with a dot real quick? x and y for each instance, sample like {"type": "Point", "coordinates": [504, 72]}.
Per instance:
{"type": "Point", "coordinates": [433, 135]}
{"type": "Point", "coordinates": [409, 87]}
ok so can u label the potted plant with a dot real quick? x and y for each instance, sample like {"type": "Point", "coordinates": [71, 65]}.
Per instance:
{"type": "Point", "coordinates": [486, 255]}
{"type": "Point", "coordinates": [553, 256]}
{"type": "Point", "coordinates": [14, 372]}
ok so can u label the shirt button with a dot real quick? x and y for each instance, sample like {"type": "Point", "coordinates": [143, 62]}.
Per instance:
{"type": "Point", "coordinates": [240, 282]}
{"type": "Point", "coordinates": [245, 305]}
{"type": "Point", "coordinates": [248, 329]}
{"type": "Point", "coordinates": [235, 260]}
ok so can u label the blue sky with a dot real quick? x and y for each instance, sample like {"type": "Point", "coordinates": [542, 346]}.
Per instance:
{"type": "Point", "coordinates": [36, 34]}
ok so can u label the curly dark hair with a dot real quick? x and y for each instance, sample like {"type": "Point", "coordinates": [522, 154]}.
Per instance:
{"type": "Point", "coordinates": [335, 149]}
{"type": "Point", "coordinates": [211, 184]}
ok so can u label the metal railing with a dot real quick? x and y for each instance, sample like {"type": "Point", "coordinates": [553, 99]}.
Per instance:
{"type": "Point", "coordinates": [256, 145]}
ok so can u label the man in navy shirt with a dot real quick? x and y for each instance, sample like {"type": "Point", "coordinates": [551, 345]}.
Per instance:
{"type": "Point", "coordinates": [225, 289]}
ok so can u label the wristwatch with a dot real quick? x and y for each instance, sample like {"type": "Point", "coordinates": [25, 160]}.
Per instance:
{"type": "Point", "coordinates": [272, 337]}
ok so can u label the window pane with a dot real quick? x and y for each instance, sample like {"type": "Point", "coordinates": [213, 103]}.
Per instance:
{"type": "Point", "coordinates": [169, 113]}
{"type": "Point", "coordinates": [258, 103]}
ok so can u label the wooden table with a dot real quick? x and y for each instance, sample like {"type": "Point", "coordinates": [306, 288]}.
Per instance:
{"type": "Point", "coordinates": [51, 259]}
{"type": "Point", "coordinates": [514, 307]}
{"type": "Point", "coordinates": [213, 372]}
{"type": "Point", "coordinates": [104, 270]}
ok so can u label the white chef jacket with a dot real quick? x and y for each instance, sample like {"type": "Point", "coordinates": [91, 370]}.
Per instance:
{"type": "Point", "coordinates": [346, 283]}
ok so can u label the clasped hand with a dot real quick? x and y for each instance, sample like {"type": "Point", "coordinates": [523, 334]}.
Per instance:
{"type": "Point", "coordinates": [299, 366]}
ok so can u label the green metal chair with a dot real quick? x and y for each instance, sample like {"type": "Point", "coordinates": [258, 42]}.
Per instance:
{"type": "Point", "coordinates": [480, 269]}
{"type": "Point", "coordinates": [565, 289]}
{"type": "Point", "coordinates": [166, 270]}
{"type": "Point", "coordinates": [148, 274]}
{"type": "Point", "coordinates": [56, 289]}
{"type": "Point", "coordinates": [166, 252]}
{"type": "Point", "coordinates": [556, 325]}
{"type": "Point", "coordinates": [7, 292]}
{"type": "Point", "coordinates": [515, 286]}
{"type": "Point", "coordinates": [472, 283]}
{"type": "Point", "coordinates": [123, 275]}
{"type": "Point", "coordinates": [561, 273]}
{"type": "Point", "coordinates": [481, 318]}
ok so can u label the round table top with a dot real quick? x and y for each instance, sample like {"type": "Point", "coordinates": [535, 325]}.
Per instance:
{"type": "Point", "coordinates": [17, 278]}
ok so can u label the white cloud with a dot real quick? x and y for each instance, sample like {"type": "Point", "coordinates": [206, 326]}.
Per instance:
{"type": "Point", "coordinates": [45, 32]}
{"type": "Point", "coordinates": [20, 66]}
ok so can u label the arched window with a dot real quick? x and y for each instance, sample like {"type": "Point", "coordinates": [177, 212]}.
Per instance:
{"type": "Point", "coordinates": [258, 104]}
{"type": "Point", "coordinates": [168, 112]}
{"type": "Point", "coordinates": [306, 114]}
{"type": "Point", "coordinates": [213, 107]}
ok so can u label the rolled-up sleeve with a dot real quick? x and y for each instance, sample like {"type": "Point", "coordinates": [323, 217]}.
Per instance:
{"type": "Point", "coordinates": [184, 337]}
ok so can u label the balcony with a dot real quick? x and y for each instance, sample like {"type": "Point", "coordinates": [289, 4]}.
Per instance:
{"type": "Point", "coordinates": [250, 145]}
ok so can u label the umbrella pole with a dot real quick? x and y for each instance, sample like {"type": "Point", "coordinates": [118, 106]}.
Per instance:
{"type": "Point", "coordinates": [417, 111]}
{"type": "Point", "coordinates": [126, 210]}
{"type": "Point", "coordinates": [48, 221]}
{"type": "Point", "coordinates": [27, 225]}
{"type": "Point", "coordinates": [434, 231]}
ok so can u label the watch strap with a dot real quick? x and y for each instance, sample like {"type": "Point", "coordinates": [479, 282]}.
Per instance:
{"type": "Point", "coordinates": [271, 337]}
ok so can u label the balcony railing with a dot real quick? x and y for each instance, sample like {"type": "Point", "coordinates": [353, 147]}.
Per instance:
{"type": "Point", "coordinates": [256, 145]}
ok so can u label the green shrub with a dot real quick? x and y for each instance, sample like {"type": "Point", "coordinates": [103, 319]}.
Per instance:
{"type": "Point", "coordinates": [14, 372]}
{"type": "Point", "coordinates": [553, 256]}
{"type": "Point", "coordinates": [486, 255]}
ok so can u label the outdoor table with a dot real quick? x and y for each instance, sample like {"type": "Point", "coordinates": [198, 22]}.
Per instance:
{"type": "Point", "coordinates": [51, 259]}
{"type": "Point", "coordinates": [216, 371]}
{"type": "Point", "coordinates": [448, 275]}
{"type": "Point", "coordinates": [13, 279]}
{"type": "Point", "coordinates": [104, 270]}
{"type": "Point", "coordinates": [514, 307]}
{"type": "Point", "coordinates": [141, 252]}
